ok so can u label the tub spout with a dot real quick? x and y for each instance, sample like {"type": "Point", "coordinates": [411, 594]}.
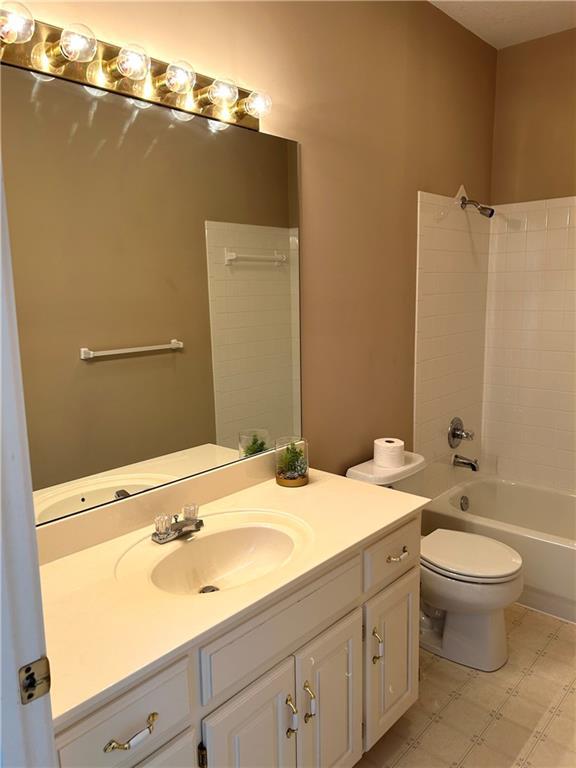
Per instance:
{"type": "Point", "coordinates": [462, 461]}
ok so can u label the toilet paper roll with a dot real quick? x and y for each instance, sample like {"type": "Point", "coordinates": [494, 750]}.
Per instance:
{"type": "Point", "coordinates": [388, 452]}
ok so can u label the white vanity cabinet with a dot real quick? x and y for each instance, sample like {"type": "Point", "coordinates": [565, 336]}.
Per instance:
{"type": "Point", "coordinates": [391, 621]}
{"type": "Point", "coordinates": [307, 711]}
{"type": "Point", "coordinates": [313, 681]}
{"type": "Point", "coordinates": [252, 729]}
{"type": "Point", "coordinates": [329, 696]}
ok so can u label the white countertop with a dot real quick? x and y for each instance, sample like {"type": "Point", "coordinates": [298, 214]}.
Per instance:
{"type": "Point", "coordinates": [102, 629]}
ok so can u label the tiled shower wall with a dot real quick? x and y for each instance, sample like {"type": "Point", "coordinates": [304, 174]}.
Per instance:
{"type": "Point", "coordinates": [254, 320]}
{"type": "Point", "coordinates": [450, 320]}
{"type": "Point", "coordinates": [530, 371]}
{"type": "Point", "coordinates": [496, 337]}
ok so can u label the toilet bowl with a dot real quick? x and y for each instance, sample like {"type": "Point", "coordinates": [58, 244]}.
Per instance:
{"type": "Point", "coordinates": [466, 582]}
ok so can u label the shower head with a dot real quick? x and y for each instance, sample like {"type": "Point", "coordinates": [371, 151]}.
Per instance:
{"type": "Point", "coordinates": [483, 209]}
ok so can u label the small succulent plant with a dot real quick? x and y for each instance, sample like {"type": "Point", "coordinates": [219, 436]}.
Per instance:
{"type": "Point", "coordinates": [292, 463]}
{"type": "Point", "coordinates": [256, 445]}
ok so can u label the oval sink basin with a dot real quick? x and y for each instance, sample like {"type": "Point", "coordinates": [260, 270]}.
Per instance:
{"type": "Point", "coordinates": [67, 498]}
{"type": "Point", "coordinates": [223, 560]}
{"type": "Point", "coordinates": [232, 549]}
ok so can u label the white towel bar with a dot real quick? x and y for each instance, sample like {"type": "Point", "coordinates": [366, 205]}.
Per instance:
{"type": "Point", "coordinates": [231, 257]}
{"type": "Point", "coordinates": [90, 354]}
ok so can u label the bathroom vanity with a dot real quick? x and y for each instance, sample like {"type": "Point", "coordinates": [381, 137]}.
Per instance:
{"type": "Point", "coordinates": [306, 655]}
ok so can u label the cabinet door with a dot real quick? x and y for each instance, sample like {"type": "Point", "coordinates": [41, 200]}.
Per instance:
{"type": "Point", "coordinates": [391, 655]}
{"type": "Point", "coordinates": [178, 753]}
{"type": "Point", "coordinates": [329, 694]}
{"type": "Point", "coordinates": [251, 730]}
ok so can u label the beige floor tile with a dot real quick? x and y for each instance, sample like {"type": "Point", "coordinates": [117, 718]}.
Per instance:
{"type": "Point", "coordinates": [530, 714]}
{"type": "Point", "coordinates": [554, 669]}
{"type": "Point", "coordinates": [567, 632]}
{"type": "Point", "coordinates": [507, 737]}
{"type": "Point", "coordinates": [486, 693]}
{"type": "Point", "coordinates": [483, 757]}
{"type": "Point", "coordinates": [562, 730]}
{"type": "Point", "coordinates": [445, 743]}
{"type": "Point", "coordinates": [537, 688]}
{"type": "Point", "coordinates": [433, 698]}
{"type": "Point", "coordinates": [519, 656]}
{"type": "Point", "coordinates": [413, 723]}
{"type": "Point", "coordinates": [445, 674]}
{"type": "Point", "coordinates": [418, 758]}
{"type": "Point", "coordinates": [548, 754]}
{"type": "Point", "coordinates": [563, 650]}
{"type": "Point", "coordinates": [466, 716]}
{"type": "Point", "coordinates": [388, 750]}
{"type": "Point", "coordinates": [535, 638]}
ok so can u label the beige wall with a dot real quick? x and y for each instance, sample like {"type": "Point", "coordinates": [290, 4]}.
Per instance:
{"type": "Point", "coordinates": [535, 120]}
{"type": "Point", "coordinates": [122, 263]}
{"type": "Point", "coordinates": [385, 99]}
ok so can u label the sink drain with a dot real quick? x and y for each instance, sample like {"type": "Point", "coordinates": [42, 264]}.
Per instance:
{"type": "Point", "coordinates": [208, 588]}
{"type": "Point", "coordinates": [464, 503]}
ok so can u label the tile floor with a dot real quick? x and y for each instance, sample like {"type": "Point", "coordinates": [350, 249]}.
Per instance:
{"type": "Point", "coordinates": [522, 716]}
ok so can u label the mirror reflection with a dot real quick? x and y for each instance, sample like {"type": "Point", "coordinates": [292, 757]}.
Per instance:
{"type": "Point", "coordinates": [132, 229]}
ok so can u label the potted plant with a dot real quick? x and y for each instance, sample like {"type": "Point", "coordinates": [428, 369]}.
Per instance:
{"type": "Point", "coordinates": [252, 442]}
{"type": "Point", "coordinates": [291, 462]}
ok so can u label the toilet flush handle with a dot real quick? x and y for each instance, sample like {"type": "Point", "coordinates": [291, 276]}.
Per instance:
{"type": "Point", "coordinates": [398, 558]}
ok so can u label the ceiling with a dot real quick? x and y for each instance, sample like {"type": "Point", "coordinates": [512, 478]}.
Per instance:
{"type": "Point", "coordinates": [513, 21]}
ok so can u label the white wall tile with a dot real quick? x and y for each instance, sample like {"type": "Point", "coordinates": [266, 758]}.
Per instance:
{"type": "Point", "coordinates": [254, 317]}
{"type": "Point", "coordinates": [529, 424]}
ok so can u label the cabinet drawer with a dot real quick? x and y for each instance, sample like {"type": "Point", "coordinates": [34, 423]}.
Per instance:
{"type": "Point", "coordinates": [178, 753]}
{"type": "Point", "coordinates": [166, 694]}
{"type": "Point", "coordinates": [229, 659]}
{"type": "Point", "coordinates": [392, 556]}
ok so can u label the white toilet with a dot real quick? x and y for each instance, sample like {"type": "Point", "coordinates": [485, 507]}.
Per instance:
{"type": "Point", "coordinates": [466, 582]}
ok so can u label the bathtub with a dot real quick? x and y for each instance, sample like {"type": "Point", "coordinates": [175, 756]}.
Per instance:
{"type": "Point", "coordinates": [538, 523]}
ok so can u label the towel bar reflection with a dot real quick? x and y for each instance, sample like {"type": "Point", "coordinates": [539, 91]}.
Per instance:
{"type": "Point", "coordinates": [231, 257]}
{"type": "Point", "coordinates": [90, 354]}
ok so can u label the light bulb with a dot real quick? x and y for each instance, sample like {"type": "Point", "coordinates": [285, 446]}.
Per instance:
{"type": "Point", "coordinates": [132, 62]}
{"type": "Point", "coordinates": [139, 104]}
{"type": "Point", "coordinates": [77, 43]}
{"type": "Point", "coordinates": [183, 117]}
{"type": "Point", "coordinates": [96, 92]}
{"type": "Point", "coordinates": [16, 23]}
{"type": "Point", "coordinates": [258, 104]}
{"type": "Point", "coordinates": [178, 78]}
{"type": "Point", "coordinates": [215, 126]}
{"type": "Point", "coordinates": [223, 93]}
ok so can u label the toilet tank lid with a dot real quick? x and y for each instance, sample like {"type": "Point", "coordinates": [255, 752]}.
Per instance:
{"type": "Point", "coordinates": [469, 554]}
{"type": "Point", "coordinates": [369, 472]}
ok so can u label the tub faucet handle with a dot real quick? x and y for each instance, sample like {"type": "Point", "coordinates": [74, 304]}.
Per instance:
{"type": "Point", "coordinates": [457, 433]}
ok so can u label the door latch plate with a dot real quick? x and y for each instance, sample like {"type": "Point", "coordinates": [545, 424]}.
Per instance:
{"type": "Point", "coordinates": [34, 679]}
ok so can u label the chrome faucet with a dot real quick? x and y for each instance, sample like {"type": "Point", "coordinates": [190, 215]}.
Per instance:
{"type": "Point", "coordinates": [463, 461]}
{"type": "Point", "coordinates": [171, 527]}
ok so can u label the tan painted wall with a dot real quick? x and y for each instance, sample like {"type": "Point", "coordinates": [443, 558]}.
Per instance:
{"type": "Point", "coordinates": [535, 120]}
{"type": "Point", "coordinates": [122, 263]}
{"type": "Point", "coordinates": [385, 99]}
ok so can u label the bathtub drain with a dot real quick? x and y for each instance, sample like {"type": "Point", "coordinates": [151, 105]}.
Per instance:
{"type": "Point", "coordinates": [464, 503]}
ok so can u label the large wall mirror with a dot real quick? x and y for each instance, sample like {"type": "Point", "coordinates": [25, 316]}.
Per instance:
{"type": "Point", "coordinates": [129, 228]}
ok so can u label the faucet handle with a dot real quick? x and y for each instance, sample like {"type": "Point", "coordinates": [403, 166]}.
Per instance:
{"type": "Point", "coordinates": [190, 512]}
{"type": "Point", "coordinates": [457, 433]}
{"type": "Point", "coordinates": [162, 524]}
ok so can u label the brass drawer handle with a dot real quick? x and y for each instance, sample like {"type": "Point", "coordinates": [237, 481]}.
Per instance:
{"type": "Point", "coordinates": [398, 558]}
{"type": "Point", "coordinates": [309, 715]}
{"type": "Point", "coordinates": [136, 739]}
{"type": "Point", "coordinates": [376, 659]}
{"type": "Point", "coordinates": [294, 724]}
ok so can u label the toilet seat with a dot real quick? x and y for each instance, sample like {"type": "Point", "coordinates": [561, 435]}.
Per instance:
{"type": "Point", "coordinates": [469, 557]}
